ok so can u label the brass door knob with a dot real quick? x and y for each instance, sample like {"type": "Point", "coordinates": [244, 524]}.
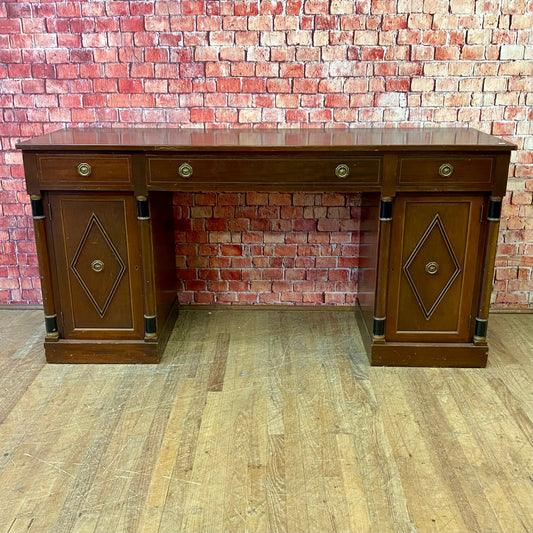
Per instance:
{"type": "Point", "coordinates": [342, 171]}
{"type": "Point", "coordinates": [84, 170]}
{"type": "Point", "coordinates": [432, 267]}
{"type": "Point", "coordinates": [185, 170]}
{"type": "Point", "coordinates": [446, 170]}
{"type": "Point", "coordinates": [97, 265]}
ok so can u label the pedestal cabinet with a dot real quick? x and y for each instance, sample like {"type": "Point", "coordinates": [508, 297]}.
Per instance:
{"type": "Point", "coordinates": [98, 264]}
{"type": "Point", "coordinates": [435, 247]}
{"type": "Point", "coordinates": [103, 217]}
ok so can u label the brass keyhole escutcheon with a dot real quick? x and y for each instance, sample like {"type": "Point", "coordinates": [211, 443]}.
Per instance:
{"type": "Point", "coordinates": [446, 170]}
{"type": "Point", "coordinates": [185, 170]}
{"type": "Point", "coordinates": [97, 265]}
{"type": "Point", "coordinates": [84, 170]}
{"type": "Point", "coordinates": [342, 171]}
{"type": "Point", "coordinates": [432, 267]}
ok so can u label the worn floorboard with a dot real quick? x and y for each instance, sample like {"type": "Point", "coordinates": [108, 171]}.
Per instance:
{"type": "Point", "coordinates": [265, 421]}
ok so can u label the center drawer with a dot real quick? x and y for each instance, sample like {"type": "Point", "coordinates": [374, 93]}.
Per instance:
{"type": "Point", "coordinates": [328, 172]}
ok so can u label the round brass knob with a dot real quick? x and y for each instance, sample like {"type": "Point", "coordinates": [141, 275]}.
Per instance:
{"type": "Point", "coordinates": [185, 170]}
{"type": "Point", "coordinates": [84, 170]}
{"type": "Point", "coordinates": [342, 171]}
{"type": "Point", "coordinates": [446, 170]}
{"type": "Point", "coordinates": [97, 265]}
{"type": "Point", "coordinates": [432, 267]}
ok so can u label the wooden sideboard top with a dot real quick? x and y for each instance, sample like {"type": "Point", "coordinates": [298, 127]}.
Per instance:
{"type": "Point", "coordinates": [311, 139]}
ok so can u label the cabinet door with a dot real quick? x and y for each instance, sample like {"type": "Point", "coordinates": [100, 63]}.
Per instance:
{"type": "Point", "coordinates": [97, 260]}
{"type": "Point", "coordinates": [433, 262]}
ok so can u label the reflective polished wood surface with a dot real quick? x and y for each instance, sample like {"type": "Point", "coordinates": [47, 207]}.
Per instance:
{"type": "Point", "coordinates": [280, 139]}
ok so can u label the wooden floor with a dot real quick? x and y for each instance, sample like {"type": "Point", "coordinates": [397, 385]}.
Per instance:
{"type": "Point", "coordinates": [264, 421]}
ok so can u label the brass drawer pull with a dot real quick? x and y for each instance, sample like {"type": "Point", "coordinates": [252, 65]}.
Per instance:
{"type": "Point", "coordinates": [97, 265]}
{"type": "Point", "coordinates": [84, 170]}
{"type": "Point", "coordinates": [432, 267]}
{"type": "Point", "coordinates": [446, 170]}
{"type": "Point", "coordinates": [185, 171]}
{"type": "Point", "coordinates": [342, 171]}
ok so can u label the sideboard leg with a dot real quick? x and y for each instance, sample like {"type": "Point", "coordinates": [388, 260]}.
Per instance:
{"type": "Point", "coordinates": [50, 316]}
{"type": "Point", "coordinates": [145, 226]}
{"type": "Point", "coordinates": [493, 221]}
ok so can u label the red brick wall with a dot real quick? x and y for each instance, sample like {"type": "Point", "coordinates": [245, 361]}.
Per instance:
{"type": "Point", "coordinates": [256, 64]}
{"type": "Point", "coordinates": [267, 248]}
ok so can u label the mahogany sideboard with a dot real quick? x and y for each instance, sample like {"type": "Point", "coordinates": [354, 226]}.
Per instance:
{"type": "Point", "coordinates": [102, 209]}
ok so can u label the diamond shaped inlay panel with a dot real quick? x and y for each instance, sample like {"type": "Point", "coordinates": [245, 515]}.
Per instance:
{"type": "Point", "coordinates": [100, 284]}
{"type": "Point", "coordinates": [429, 285]}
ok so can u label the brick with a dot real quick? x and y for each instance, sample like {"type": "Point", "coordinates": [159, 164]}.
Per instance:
{"type": "Point", "coordinates": [291, 297]}
{"type": "Point", "coordinates": [506, 273]}
{"type": "Point", "coordinates": [291, 70]}
{"type": "Point", "coordinates": [249, 116]}
{"type": "Point", "coordinates": [319, 238]}
{"type": "Point", "coordinates": [229, 85]}
{"type": "Point", "coordinates": [436, 6]}
{"type": "Point", "coordinates": [419, 21]}
{"type": "Point", "coordinates": [286, 23]}
{"type": "Point", "coordinates": [302, 38]}
{"type": "Point", "coordinates": [472, 52]}
{"type": "Point", "coordinates": [278, 86]}
{"type": "Point", "coordinates": [365, 38]}
{"type": "Point", "coordinates": [422, 53]}
{"type": "Point", "coordinates": [275, 199]}
{"type": "Point", "coordinates": [272, 274]}
{"type": "Point", "coordinates": [268, 298]}
{"type": "Point", "coordinates": [399, 85]}
{"type": "Point", "coordinates": [334, 298]}
{"type": "Point", "coordinates": [239, 224]}
{"type": "Point", "coordinates": [274, 7]}
{"type": "Point", "coordinates": [314, 7]}
{"type": "Point", "coordinates": [282, 55]}
{"type": "Point", "coordinates": [516, 68]}
{"type": "Point", "coordinates": [336, 100]}
{"type": "Point", "coordinates": [272, 38]}
{"type": "Point", "coordinates": [294, 7]}
{"type": "Point", "coordinates": [320, 115]}
{"type": "Point", "coordinates": [304, 225]}
{"type": "Point", "coordinates": [382, 6]}
{"type": "Point", "coordinates": [339, 38]}
{"type": "Point", "coordinates": [10, 26]}
{"type": "Point", "coordinates": [328, 225]}
{"type": "Point", "coordinates": [512, 52]}
{"type": "Point", "coordinates": [462, 6]}
{"type": "Point", "coordinates": [521, 21]}
{"type": "Point", "coordinates": [234, 23]}
{"type": "Point", "coordinates": [435, 38]}
{"type": "Point", "coordinates": [287, 100]}
{"type": "Point", "coordinates": [202, 115]}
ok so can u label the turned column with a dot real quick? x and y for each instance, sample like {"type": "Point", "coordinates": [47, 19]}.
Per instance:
{"type": "Point", "coordinates": [493, 221]}
{"type": "Point", "coordinates": [50, 316]}
{"type": "Point", "coordinates": [380, 308]}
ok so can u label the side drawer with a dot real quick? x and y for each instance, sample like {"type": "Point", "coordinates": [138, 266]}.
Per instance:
{"type": "Point", "coordinates": [83, 170]}
{"type": "Point", "coordinates": [329, 172]}
{"type": "Point", "coordinates": [446, 171]}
